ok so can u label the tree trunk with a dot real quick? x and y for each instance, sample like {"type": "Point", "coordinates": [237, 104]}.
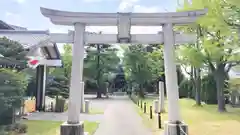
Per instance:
{"type": "Point", "coordinates": [99, 94]}
{"type": "Point", "coordinates": [141, 91]}
{"type": "Point", "coordinates": [219, 76]}
{"type": "Point", "coordinates": [197, 81]}
{"type": "Point", "coordinates": [156, 87]}
{"type": "Point", "coordinates": [233, 98]}
{"type": "Point", "coordinates": [197, 72]}
{"type": "Point", "coordinates": [99, 91]}
{"type": "Point", "coordinates": [193, 82]}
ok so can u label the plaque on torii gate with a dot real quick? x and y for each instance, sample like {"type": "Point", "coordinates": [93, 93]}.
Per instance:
{"type": "Point", "coordinates": [123, 21]}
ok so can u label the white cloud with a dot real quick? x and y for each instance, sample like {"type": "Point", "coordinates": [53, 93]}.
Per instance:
{"type": "Point", "coordinates": [13, 18]}
{"type": "Point", "coordinates": [20, 1]}
{"type": "Point", "coordinates": [7, 14]}
{"type": "Point", "coordinates": [127, 4]}
{"type": "Point", "coordinates": [95, 1]}
{"type": "Point", "coordinates": [144, 9]}
{"type": "Point", "coordinates": [134, 6]}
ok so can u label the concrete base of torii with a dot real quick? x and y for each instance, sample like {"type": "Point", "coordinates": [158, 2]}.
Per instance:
{"type": "Point", "coordinates": [173, 129]}
{"type": "Point", "coordinates": [73, 129]}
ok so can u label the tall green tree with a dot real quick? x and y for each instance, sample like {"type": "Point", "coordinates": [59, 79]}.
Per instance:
{"type": "Point", "coordinates": [67, 63]}
{"type": "Point", "coordinates": [13, 86]}
{"type": "Point", "coordinates": [58, 86]}
{"type": "Point", "coordinates": [12, 54]}
{"type": "Point", "coordinates": [155, 65]}
{"type": "Point", "coordinates": [218, 41]}
{"type": "Point", "coordinates": [100, 63]}
{"type": "Point", "coordinates": [60, 82]}
{"type": "Point", "coordinates": [135, 62]}
{"type": "Point", "coordinates": [67, 60]}
{"type": "Point", "coordinates": [13, 80]}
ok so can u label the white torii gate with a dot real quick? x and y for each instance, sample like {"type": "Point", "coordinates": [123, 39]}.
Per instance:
{"type": "Point", "coordinates": [124, 21]}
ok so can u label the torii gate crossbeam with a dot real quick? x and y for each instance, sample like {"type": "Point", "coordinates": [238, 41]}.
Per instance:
{"type": "Point", "coordinates": [113, 38]}
{"type": "Point", "coordinates": [99, 38]}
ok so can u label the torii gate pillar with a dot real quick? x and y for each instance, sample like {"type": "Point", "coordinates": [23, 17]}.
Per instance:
{"type": "Point", "coordinates": [173, 126]}
{"type": "Point", "coordinates": [73, 126]}
{"type": "Point", "coordinates": [171, 73]}
{"type": "Point", "coordinates": [76, 84]}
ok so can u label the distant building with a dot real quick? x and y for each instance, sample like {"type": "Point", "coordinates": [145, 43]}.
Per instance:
{"type": "Point", "coordinates": [30, 39]}
{"type": "Point", "coordinates": [6, 63]}
{"type": "Point", "coordinates": [18, 27]}
{"type": "Point", "coordinates": [5, 26]}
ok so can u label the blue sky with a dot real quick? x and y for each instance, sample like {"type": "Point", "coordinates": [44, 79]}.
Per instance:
{"type": "Point", "coordinates": [26, 13]}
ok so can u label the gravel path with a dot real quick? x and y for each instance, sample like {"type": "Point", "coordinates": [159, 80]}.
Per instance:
{"type": "Point", "coordinates": [120, 118]}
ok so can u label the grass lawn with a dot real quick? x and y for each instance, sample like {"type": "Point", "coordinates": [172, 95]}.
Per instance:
{"type": "Point", "coordinates": [203, 120]}
{"type": "Point", "coordinates": [53, 128]}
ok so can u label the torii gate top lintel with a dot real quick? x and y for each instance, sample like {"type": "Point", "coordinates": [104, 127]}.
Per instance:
{"type": "Point", "coordinates": [111, 19]}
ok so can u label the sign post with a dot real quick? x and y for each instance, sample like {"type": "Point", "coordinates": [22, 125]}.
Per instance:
{"type": "Point", "coordinates": [34, 62]}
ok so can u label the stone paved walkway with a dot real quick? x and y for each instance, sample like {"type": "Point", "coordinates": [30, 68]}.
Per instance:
{"type": "Point", "coordinates": [120, 118]}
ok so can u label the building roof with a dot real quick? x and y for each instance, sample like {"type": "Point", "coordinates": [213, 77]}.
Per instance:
{"type": "Point", "coordinates": [37, 42]}
{"type": "Point", "coordinates": [5, 26]}
{"type": "Point", "coordinates": [17, 27]}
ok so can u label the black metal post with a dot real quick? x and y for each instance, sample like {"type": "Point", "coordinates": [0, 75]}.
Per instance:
{"type": "Point", "coordinates": [141, 104]}
{"type": "Point", "coordinates": [145, 107]}
{"type": "Point", "coordinates": [52, 107]}
{"type": "Point", "coordinates": [40, 94]}
{"type": "Point", "coordinates": [159, 120]}
{"type": "Point", "coordinates": [178, 128]}
{"type": "Point", "coordinates": [151, 113]}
